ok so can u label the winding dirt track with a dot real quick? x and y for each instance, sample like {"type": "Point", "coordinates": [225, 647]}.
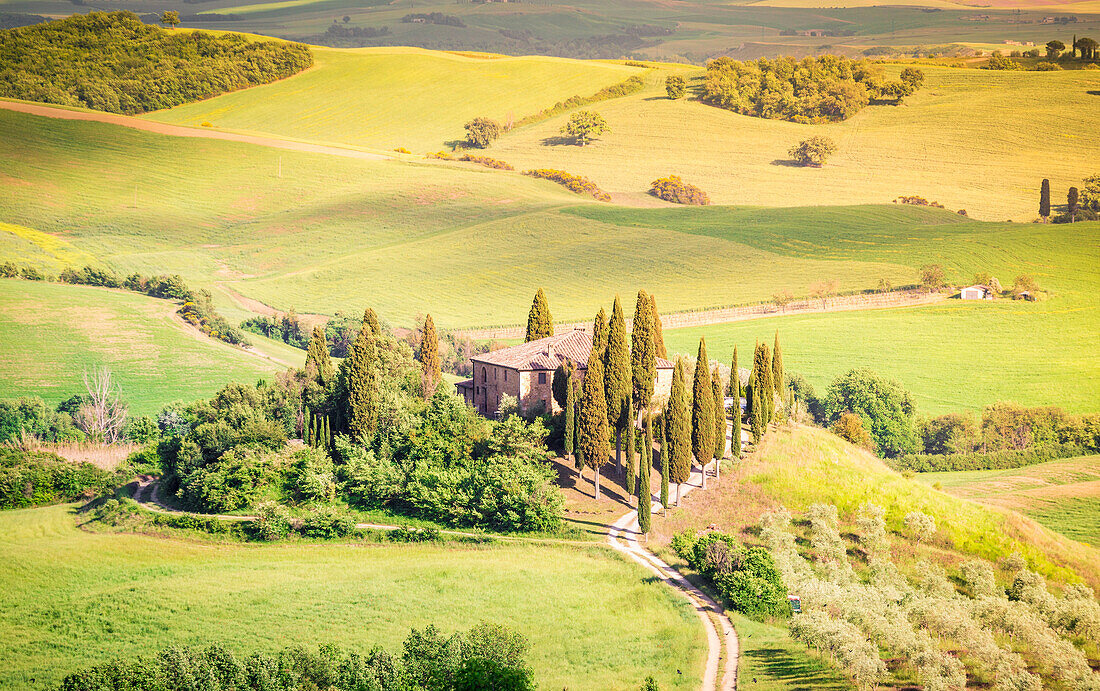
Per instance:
{"type": "Point", "coordinates": [181, 131]}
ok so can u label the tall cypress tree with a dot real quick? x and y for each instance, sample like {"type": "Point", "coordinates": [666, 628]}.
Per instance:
{"type": "Point", "coordinates": [678, 420]}
{"type": "Point", "coordinates": [777, 367]}
{"type": "Point", "coordinates": [658, 330]}
{"type": "Point", "coordinates": [645, 467]}
{"type": "Point", "coordinates": [617, 380]}
{"type": "Point", "coordinates": [318, 362]}
{"type": "Point", "coordinates": [719, 418]}
{"type": "Point", "coordinates": [664, 463]}
{"type": "Point", "coordinates": [570, 418]}
{"type": "Point", "coordinates": [599, 333]}
{"type": "Point", "coordinates": [362, 403]}
{"type": "Point", "coordinates": [431, 372]}
{"type": "Point", "coordinates": [578, 457]}
{"type": "Point", "coordinates": [631, 468]}
{"type": "Point", "coordinates": [539, 322]}
{"type": "Point", "coordinates": [737, 392]}
{"type": "Point", "coordinates": [1073, 198]}
{"type": "Point", "coordinates": [593, 419]}
{"type": "Point", "coordinates": [762, 362]}
{"type": "Point", "coordinates": [371, 318]}
{"type": "Point", "coordinates": [643, 353]}
{"type": "Point", "coordinates": [1044, 199]}
{"type": "Point", "coordinates": [702, 412]}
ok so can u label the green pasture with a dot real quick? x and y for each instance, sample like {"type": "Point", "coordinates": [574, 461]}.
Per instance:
{"type": "Point", "coordinates": [52, 333]}
{"type": "Point", "coordinates": [399, 97]}
{"type": "Point", "coordinates": [970, 139]}
{"type": "Point", "coordinates": [72, 598]}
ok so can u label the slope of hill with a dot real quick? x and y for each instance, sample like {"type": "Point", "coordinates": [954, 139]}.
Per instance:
{"type": "Point", "coordinates": [399, 97]}
{"type": "Point", "coordinates": [53, 333]}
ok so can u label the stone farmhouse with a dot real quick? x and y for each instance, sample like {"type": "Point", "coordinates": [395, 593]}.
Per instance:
{"type": "Point", "coordinates": [526, 372]}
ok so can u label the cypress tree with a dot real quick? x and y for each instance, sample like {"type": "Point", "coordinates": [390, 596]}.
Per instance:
{"type": "Point", "coordinates": [763, 362]}
{"type": "Point", "coordinates": [617, 380]}
{"type": "Point", "coordinates": [578, 457]}
{"type": "Point", "coordinates": [737, 392]}
{"type": "Point", "coordinates": [371, 318]}
{"type": "Point", "coordinates": [658, 330]}
{"type": "Point", "coordinates": [430, 370]}
{"type": "Point", "coordinates": [678, 420]}
{"type": "Point", "coordinates": [719, 418]}
{"type": "Point", "coordinates": [643, 353]}
{"type": "Point", "coordinates": [308, 426]}
{"type": "Point", "coordinates": [1072, 203]}
{"type": "Point", "coordinates": [593, 419]}
{"type": "Point", "coordinates": [362, 405]}
{"type": "Point", "coordinates": [326, 429]}
{"type": "Point", "coordinates": [570, 419]}
{"type": "Point", "coordinates": [664, 463]}
{"type": "Point", "coordinates": [1044, 199]}
{"type": "Point", "coordinates": [631, 472]}
{"type": "Point", "coordinates": [702, 412]}
{"type": "Point", "coordinates": [645, 467]}
{"type": "Point", "coordinates": [755, 408]}
{"type": "Point", "coordinates": [599, 333]}
{"type": "Point", "coordinates": [318, 362]}
{"type": "Point", "coordinates": [539, 322]}
{"type": "Point", "coordinates": [777, 367]}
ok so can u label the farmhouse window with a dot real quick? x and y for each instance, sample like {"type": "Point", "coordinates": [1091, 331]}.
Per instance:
{"type": "Point", "coordinates": [483, 374]}
{"type": "Point", "coordinates": [542, 377]}
{"type": "Point", "coordinates": [505, 375]}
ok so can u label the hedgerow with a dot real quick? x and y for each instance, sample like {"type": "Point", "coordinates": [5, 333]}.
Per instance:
{"type": "Point", "coordinates": [33, 478]}
{"type": "Point", "coordinates": [487, 162]}
{"type": "Point", "coordinates": [574, 183]}
{"type": "Point", "coordinates": [626, 87]}
{"type": "Point", "coordinates": [113, 62]}
{"type": "Point", "coordinates": [674, 189]}
{"type": "Point", "coordinates": [993, 460]}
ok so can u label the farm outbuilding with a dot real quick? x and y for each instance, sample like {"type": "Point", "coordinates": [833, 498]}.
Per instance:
{"type": "Point", "coordinates": [976, 292]}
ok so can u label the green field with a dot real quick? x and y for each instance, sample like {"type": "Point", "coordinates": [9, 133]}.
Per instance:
{"type": "Point", "coordinates": [73, 598]}
{"type": "Point", "coordinates": [398, 97]}
{"type": "Point", "coordinates": [1063, 495]}
{"type": "Point", "coordinates": [52, 333]}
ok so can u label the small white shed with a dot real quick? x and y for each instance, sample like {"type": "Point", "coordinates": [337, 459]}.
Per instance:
{"type": "Point", "coordinates": [976, 292]}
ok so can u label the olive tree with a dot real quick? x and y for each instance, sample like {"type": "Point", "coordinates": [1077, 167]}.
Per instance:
{"type": "Point", "coordinates": [481, 132]}
{"type": "Point", "coordinates": [813, 151]}
{"type": "Point", "coordinates": [584, 125]}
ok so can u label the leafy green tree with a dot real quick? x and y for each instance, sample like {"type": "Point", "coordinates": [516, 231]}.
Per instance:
{"type": "Point", "coordinates": [887, 410]}
{"type": "Point", "coordinates": [318, 363]}
{"type": "Point", "coordinates": [430, 368]}
{"type": "Point", "coordinates": [719, 417]}
{"type": "Point", "coordinates": [1072, 203]}
{"type": "Point", "coordinates": [932, 277]}
{"type": "Point", "coordinates": [594, 445]}
{"type": "Point", "coordinates": [1055, 48]}
{"type": "Point", "coordinates": [1044, 196]}
{"type": "Point", "coordinates": [663, 460]}
{"type": "Point", "coordinates": [1088, 48]}
{"type": "Point", "coordinates": [645, 468]}
{"type": "Point", "coordinates": [777, 367]}
{"type": "Point", "coordinates": [675, 86]}
{"type": "Point", "coordinates": [658, 331]}
{"type": "Point", "coordinates": [481, 132]}
{"type": "Point", "coordinates": [813, 151]}
{"type": "Point", "coordinates": [617, 378]}
{"type": "Point", "coordinates": [360, 382]}
{"type": "Point", "coordinates": [643, 352]}
{"type": "Point", "coordinates": [540, 324]}
{"type": "Point", "coordinates": [584, 125]}
{"type": "Point", "coordinates": [755, 409]}
{"type": "Point", "coordinates": [170, 18]}
{"type": "Point", "coordinates": [702, 411]}
{"type": "Point", "coordinates": [570, 418]}
{"type": "Point", "coordinates": [678, 420]}
{"type": "Point", "coordinates": [1090, 193]}
{"type": "Point", "coordinates": [913, 77]}
{"type": "Point", "coordinates": [764, 363]}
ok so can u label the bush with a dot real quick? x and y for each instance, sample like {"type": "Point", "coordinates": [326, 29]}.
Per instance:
{"type": "Point", "coordinates": [998, 62]}
{"type": "Point", "coordinates": [272, 522]}
{"type": "Point", "coordinates": [406, 534]}
{"type": "Point", "coordinates": [481, 132]}
{"type": "Point", "coordinates": [113, 62]}
{"type": "Point", "coordinates": [745, 576]}
{"type": "Point", "coordinates": [674, 189]}
{"type": "Point", "coordinates": [813, 151]}
{"type": "Point", "coordinates": [1048, 67]}
{"type": "Point", "coordinates": [849, 427]}
{"type": "Point", "coordinates": [33, 478]}
{"type": "Point", "coordinates": [487, 162]}
{"type": "Point", "coordinates": [574, 183]}
{"type": "Point", "coordinates": [327, 523]}
{"type": "Point", "coordinates": [141, 430]}
{"type": "Point", "coordinates": [920, 525]}
{"type": "Point", "coordinates": [675, 86]}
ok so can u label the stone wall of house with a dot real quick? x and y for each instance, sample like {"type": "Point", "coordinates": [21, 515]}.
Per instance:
{"type": "Point", "coordinates": [491, 383]}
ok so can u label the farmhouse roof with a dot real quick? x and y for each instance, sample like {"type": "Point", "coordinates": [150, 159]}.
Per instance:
{"type": "Point", "coordinates": [979, 286]}
{"type": "Point", "coordinates": [548, 353]}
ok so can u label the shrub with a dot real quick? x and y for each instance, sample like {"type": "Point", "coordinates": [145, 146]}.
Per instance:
{"type": "Point", "coordinates": [406, 534]}
{"type": "Point", "coordinates": [675, 86]}
{"type": "Point", "coordinates": [849, 427]}
{"type": "Point", "coordinates": [141, 430]}
{"type": "Point", "coordinates": [920, 525]}
{"type": "Point", "coordinates": [481, 132]}
{"type": "Point", "coordinates": [312, 476]}
{"type": "Point", "coordinates": [629, 86]}
{"type": "Point", "coordinates": [32, 478]}
{"type": "Point", "coordinates": [813, 151]}
{"type": "Point", "coordinates": [232, 483]}
{"type": "Point", "coordinates": [30, 415]}
{"type": "Point", "coordinates": [745, 576]}
{"type": "Point", "coordinates": [674, 189]}
{"type": "Point", "coordinates": [190, 521]}
{"type": "Point", "coordinates": [326, 523]}
{"type": "Point", "coordinates": [487, 162]}
{"type": "Point", "coordinates": [998, 62]}
{"type": "Point", "coordinates": [1048, 67]}
{"type": "Point", "coordinates": [574, 183]}
{"type": "Point", "coordinates": [272, 522]}
{"type": "Point", "coordinates": [402, 150]}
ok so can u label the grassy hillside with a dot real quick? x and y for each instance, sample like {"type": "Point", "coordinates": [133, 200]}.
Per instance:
{"type": "Point", "coordinates": [1062, 495]}
{"type": "Point", "coordinates": [72, 598]}
{"type": "Point", "coordinates": [399, 97]}
{"type": "Point", "coordinates": [970, 139]}
{"type": "Point", "coordinates": [53, 333]}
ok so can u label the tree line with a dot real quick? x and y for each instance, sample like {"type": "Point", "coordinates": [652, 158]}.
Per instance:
{"type": "Point", "coordinates": [113, 62]}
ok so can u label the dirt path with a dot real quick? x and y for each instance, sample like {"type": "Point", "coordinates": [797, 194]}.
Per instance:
{"type": "Point", "coordinates": [181, 131]}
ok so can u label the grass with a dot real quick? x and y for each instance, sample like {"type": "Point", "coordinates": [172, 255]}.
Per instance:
{"type": "Point", "coordinates": [74, 598]}
{"type": "Point", "coordinates": [1062, 495]}
{"type": "Point", "coordinates": [53, 333]}
{"type": "Point", "coordinates": [772, 661]}
{"type": "Point", "coordinates": [398, 97]}
{"type": "Point", "coordinates": [967, 140]}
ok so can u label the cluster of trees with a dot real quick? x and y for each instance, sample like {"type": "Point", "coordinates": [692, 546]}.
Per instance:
{"type": "Point", "coordinates": [111, 61]}
{"type": "Point", "coordinates": [380, 437]}
{"type": "Point", "coordinates": [1081, 204]}
{"type": "Point", "coordinates": [745, 576]}
{"type": "Point", "coordinates": [434, 18]}
{"type": "Point", "coordinates": [854, 619]}
{"type": "Point", "coordinates": [824, 89]}
{"type": "Point", "coordinates": [674, 189]}
{"type": "Point", "coordinates": [488, 656]}
{"type": "Point", "coordinates": [33, 478]}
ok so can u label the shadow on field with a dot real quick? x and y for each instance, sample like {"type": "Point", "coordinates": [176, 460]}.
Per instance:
{"type": "Point", "coordinates": [786, 163]}
{"type": "Point", "coordinates": [1094, 92]}
{"type": "Point", "coordinates": [803, 674]}
{"type": "Point", "coordinates": [558, 140]}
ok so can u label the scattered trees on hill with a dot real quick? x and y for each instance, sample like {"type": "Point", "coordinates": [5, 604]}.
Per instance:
{"type": "Point", "coordinates": [675, 86]}
{"type": "Point", "coordinates": [824, 89]}
{"type": "Point", "coordinates": [540, 323]}
{"type": "Point", "coordinates": [1082, 204]}
{"type": "Point", "coordinates": [813, 151]}
{"type": "Point", "coordinates": [583, 126]}
{"type": "Point", "coordinates": [113, 62]}
{"type": "Point", "coordinates": [481, 132]}
{"type": "Point", "coordinates": [674, 189]}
